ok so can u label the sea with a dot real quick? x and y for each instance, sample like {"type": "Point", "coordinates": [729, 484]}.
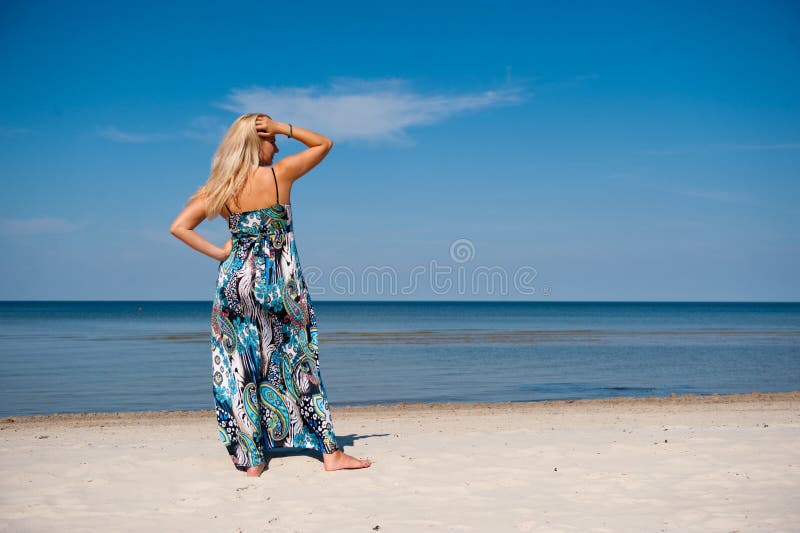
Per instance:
{"type": "Point", "coordinates": [123, 356]}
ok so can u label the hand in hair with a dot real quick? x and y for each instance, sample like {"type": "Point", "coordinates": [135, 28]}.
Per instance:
{"type": "Point", "coordinates": [266, 127]}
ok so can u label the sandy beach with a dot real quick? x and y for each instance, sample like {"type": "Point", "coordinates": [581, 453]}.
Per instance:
{"type": "Point", "coordinates": [682, 463]}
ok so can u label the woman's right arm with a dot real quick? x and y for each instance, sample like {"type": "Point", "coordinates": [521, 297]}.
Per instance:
{"type": "Point", "coordinates": [183, 228]}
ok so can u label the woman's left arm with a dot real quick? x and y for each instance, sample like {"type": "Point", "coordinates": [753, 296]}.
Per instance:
{"type": "Point", "coordinates": [183, 228]}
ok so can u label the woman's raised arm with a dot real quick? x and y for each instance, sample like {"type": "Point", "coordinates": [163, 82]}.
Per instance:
{"type": "Point", "coordinates": [295, 166]}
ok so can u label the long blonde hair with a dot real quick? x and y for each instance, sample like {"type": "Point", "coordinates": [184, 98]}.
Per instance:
{"type": "Point", "coordinates": [232, 164]}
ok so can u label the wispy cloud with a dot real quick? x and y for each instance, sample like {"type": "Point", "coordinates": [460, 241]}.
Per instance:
{"type": "Point", "coordinates": [9, 131]}
{"type": "Point", "coordinates": [359, 109]}
{"type": "Point", "coordinates": [577, 80]}
{"type": "Point", "coordinates": [756, 146]}
{"type": "Point", "coordinates": [666, 150]}
{"type": "Point", "coordinates": [694, 148]}
{"type": "Point", "coordinates": [202, 128]}
{"type": "Point", "coordinates": [706, 193]}
{"type": "Point", "coordinates": [727, 197]}
{"type": "Point", "coordinates": [116, 134]}
{"type": "Point", "coordinates": [206, 128]}
{"type": "Point", "coordinates": [346, 109]}
{"type": "Point", "coordinates": [38, 225]}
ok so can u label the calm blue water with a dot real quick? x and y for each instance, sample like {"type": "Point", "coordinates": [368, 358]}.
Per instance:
{"type": "Point", "coordinates": [135, 356]}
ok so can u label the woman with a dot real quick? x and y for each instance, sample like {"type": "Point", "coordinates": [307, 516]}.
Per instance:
{"type": "Point", "coordinates": [268, 390]}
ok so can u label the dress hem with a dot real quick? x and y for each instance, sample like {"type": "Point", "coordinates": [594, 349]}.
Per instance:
{"type": "Point", "coordinates": [244, 467]}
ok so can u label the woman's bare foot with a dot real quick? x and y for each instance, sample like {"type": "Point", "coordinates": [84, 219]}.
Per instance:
{"type": "Point", "coordinates": [339, 460]}
{"type": "Point", "coordinates": [255, 471]}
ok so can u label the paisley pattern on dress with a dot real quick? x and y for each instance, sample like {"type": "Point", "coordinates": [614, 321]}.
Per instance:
{"type": "Point", "coordinates": [268, 389]}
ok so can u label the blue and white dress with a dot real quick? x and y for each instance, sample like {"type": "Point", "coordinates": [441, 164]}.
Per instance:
{"type": "Point", "coordinates": [268, 390]}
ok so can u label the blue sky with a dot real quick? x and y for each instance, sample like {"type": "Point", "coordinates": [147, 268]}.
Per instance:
{"type": "Point", "coordinates": [582, 151]}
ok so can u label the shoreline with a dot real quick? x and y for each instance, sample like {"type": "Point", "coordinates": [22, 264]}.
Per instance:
{"type": "Point", "coordinates": [89, 419]}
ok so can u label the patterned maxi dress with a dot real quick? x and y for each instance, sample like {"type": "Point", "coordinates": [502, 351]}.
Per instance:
{"type": "Point", "coordinates": [268, 390]}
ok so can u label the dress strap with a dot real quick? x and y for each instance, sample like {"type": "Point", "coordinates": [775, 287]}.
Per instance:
{"type": "Point", "coordinates": [274, 177]}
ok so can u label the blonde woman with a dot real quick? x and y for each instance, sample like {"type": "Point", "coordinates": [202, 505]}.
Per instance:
{"type": "Point", "coordinates": [268, 389]}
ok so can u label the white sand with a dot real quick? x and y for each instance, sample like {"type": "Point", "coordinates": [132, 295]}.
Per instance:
{"type": "Point", "coordinates": [687, 463]}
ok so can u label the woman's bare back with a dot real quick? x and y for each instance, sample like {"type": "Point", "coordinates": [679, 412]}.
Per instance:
{"type": "Point", "coordinates": [260, 191]}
